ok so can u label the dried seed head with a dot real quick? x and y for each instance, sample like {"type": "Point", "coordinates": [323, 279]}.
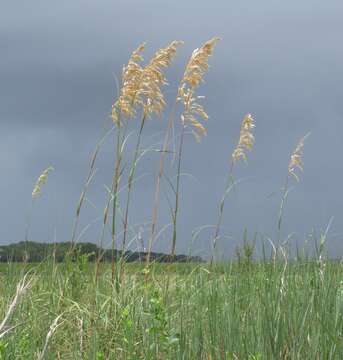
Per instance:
{"type": "Point", "coordinates": [40, 182]}
{"type": "Point", "coordinates": [296, 161]}
{"type": "Point", "coordinates": [141, 86]}
{"type": "Point", "coordinates": [131, 80]}
{"type": "Point", "coordinates": [198, 64]}
{"type": "Point", "coordinates": [192, 111]}
{"type": "Point", "coordinates": [246, 139]}
{"type": "Point", "coordinates": [194, 73]}
{"type": "Point", "coordinates": [150, 94]}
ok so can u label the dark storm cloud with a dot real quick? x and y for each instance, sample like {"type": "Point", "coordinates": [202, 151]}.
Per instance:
{"type": "Point", "coordinates": [281, 61]}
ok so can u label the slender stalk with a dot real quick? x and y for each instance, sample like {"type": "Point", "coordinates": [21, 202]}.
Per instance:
{"type": "Point", "coordinates": [37, 189]}
{"type": "Point", "coordinates": [129, 190]}
{"type": "Point", "coordinates": [158, 182]}
{"type": "Point", "coordinates": [115, 186]}
{"type": "Point", "coordinates": [282, 205]}
{"type": "Point", "coordinates": [194, 72]}
{"type": "Point", "coordinates": [100, 241]}
{"type": "Point", "coordinates": [177, 193]}
{"type": "Point", "coordinates": [176, 209]}
{"type": "Point", "coordinates": [295, 162]}
{"type": "Point", "coordinates": [89, 178]}
{"type": "Point", "coordinates": [27, 230]}
{"type": "Point", "coordinates": [221, 211]}
{"type": "Point", "coordinates": [131, 177]}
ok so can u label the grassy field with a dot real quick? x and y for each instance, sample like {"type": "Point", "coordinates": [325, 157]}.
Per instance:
{"type": "Point", "coordinates": [267, 309]}
{"type": "Point", "coordinates": [238, 311]}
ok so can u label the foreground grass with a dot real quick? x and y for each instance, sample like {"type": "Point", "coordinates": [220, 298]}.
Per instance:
{"type": "Point", "coordinates": [256, 311]}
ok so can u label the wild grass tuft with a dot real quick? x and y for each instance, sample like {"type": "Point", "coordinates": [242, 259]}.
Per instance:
{"type": "Point", "coordinates": [278, 308]}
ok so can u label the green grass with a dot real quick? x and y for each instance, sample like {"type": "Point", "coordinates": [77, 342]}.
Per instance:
{"type": "Point", "coordinates": [243, 310]}
{"type": "Point", "coordinates": [251, 311]}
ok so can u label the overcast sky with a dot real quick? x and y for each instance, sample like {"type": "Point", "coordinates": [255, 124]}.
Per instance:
{"type": "Point", "coordinates": [281, 61]}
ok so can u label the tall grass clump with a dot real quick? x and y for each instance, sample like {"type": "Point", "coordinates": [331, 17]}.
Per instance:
{"type": "Point", "coordinates": [125, 106]}
{"type": "Point", "coordinates": [141, 90]}
{"type": "Point", "coordinates": [287, 311]}
{"type": "Point", "coordinates": [192, 109]}
{"type": "Point", "coordinates": [76, 309]}
{"type": "Point", "coordinates": [153, 103]}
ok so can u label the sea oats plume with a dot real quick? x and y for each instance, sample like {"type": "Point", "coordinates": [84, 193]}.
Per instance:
{"type": "Point", "coordinates": [296, 161]}
{"type": "Point", "coordinates": [131, 80]}
{"type": "Point", "coordinates": [193, 75]}
{"type": "Point", "coordinates": [246, 139]}
{"type": "Point", "coordinates": [41, 181]}
{"type": "Point", "coordinates": [150, 93]}
{"type": "Point", "coordinates": [141, 86]}
{"type": "Point", "coordinates": [198, 64]}
{"type": "Point", "coordinates": [192, 111]}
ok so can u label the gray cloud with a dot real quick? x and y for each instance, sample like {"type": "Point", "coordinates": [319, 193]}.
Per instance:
{"type": "Point", "coordinates": [281, 61]}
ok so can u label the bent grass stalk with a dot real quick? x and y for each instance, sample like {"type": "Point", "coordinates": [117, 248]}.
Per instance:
{"type": "Point", "coordinates": [295, 163]}
{"type": "Point", "coordinates": [53, 327]}
{"type": "Point", "coordinates": [246, 142]}
{"type": "Point", "coordinates": [101, 238]}
{"type": "Point", "coordinates": [87, 183]}
{"type": "Point", "coordinates": [228, 187]}
{"type": "Point", "coordinates": [22, 288]}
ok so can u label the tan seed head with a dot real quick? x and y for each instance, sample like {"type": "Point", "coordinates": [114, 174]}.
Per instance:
{"type": "Point", "coordinates": [296, 161]}
{"type": "Point", "coordinates": [246, 139]}
{"type": "Point", "coordinates": [150, 94]}
{"type": "Point", "coordinates": [131, 79]}
{"type": "Point", "coordinates": [141, 86]}
{"type": "Point", "coordinates": [193, 75]}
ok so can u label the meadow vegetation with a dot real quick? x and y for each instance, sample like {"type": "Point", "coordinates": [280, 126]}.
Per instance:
{"type": "Point", "coordinates": [270, 307]}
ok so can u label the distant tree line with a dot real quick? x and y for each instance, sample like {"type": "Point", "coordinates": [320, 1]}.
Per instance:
{"type": "Point", "coordinates": [36, 252]}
